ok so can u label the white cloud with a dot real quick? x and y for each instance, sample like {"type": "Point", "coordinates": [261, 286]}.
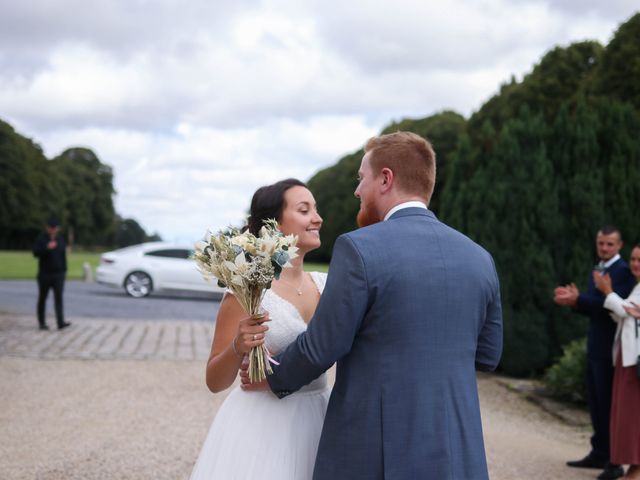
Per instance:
{"type": "Point", "coordinates": [616, 10]}
{"type": "Point", "coordinates": [196, 104]}
{"type": "Point", "coordinates": [78, 83]}
{"type": "Point", "coordinates": [182, 182]}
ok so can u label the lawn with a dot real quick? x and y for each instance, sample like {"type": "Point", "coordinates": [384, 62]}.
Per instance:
{"type": "Point", "coordinates": [316, 267]}
{"type": "Point", "coordinates": [16, 265]}
{"type": "Point", "coordinates": [23, 265]}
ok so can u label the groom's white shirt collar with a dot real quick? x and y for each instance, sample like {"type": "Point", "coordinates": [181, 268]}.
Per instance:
{"type": "Point", "coordinates": [400, 206]}
{"type": "Point", "coordinates": [612, 260]}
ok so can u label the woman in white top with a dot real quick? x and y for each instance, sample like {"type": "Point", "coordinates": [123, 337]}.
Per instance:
{"type": "Point", "coordinates": [254, 434]}
{"type": "Point", "coordinates": [625, 401]}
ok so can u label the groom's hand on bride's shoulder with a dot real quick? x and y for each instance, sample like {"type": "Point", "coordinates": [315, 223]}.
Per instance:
{"type": "Point", "coordinates": [245, 384]}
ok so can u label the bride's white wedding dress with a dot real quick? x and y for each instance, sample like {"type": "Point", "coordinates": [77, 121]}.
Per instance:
{"type": "Point", "coordinates": [255, 435]}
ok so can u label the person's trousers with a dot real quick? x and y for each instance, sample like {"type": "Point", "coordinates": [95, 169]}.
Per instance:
{"type": "Point", "coordinates": [599, 386]}
{"type": "Point", "coordinates": [47, 281]}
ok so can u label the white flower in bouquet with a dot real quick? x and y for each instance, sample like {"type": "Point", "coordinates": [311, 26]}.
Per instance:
{"type": "Point", "coordinates": [247, 264]}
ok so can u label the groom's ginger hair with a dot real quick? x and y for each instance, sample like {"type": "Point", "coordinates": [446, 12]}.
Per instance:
{"type": "Point", "coordinates": [410, 157]}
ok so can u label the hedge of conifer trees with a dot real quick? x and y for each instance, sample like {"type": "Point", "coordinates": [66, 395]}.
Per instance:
{"type": "Point", "coordinates": [531, 176]}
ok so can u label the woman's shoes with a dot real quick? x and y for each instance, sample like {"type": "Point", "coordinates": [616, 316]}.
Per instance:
{"type": "Point", "coordinates": [611, 472]}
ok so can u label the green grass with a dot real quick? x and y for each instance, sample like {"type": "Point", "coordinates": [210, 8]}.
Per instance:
{"type": "Point", "coordinates": [18, 265]}
{"type": "Point", "coordinates": [316, 267]}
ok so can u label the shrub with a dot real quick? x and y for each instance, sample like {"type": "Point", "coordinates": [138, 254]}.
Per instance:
{"type": "Point", "coordinates": [567, 378]}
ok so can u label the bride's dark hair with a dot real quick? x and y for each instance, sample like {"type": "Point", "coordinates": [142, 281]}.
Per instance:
{"type": "Point", "coordinates": [268, 202]}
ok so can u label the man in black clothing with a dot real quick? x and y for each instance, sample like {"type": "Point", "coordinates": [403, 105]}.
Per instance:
{"type": "Point", "coordinates": [50, 249]}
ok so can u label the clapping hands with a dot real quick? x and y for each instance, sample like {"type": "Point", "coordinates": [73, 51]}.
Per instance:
{"type": "Point", "coordinates": [603, 282]}
{"type": "Point", "coordinates": [566, 296]}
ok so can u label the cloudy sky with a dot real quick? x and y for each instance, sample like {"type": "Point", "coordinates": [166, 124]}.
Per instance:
{"type": "Point", "coordinates": [197, 103]}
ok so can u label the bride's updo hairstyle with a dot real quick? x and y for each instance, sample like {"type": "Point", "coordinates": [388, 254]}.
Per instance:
{"type": "Point", "coordinates": [268, 202]}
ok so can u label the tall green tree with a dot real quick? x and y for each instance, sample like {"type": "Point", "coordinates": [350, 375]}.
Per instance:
{"type": "Point", "coordinates": [29, 189]}
{"type": "Point", "coordinates": [507, 201]}
{"type": "Point", "coordinates": [618, 73]}
{"type": "Point", "coordinates": [76, 187]}
{"type": "Point", "coordinates": [89, 211]}
{"type": "Point", "coordinates": [461, 193]}
{"type": "Point", "coordinates": [618, 139]}
{"type": "Point", "coordinates": [562, 75]}
{"type": "Point", "coordinates": [129, 232]}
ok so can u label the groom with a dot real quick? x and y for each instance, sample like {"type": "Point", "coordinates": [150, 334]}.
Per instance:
{"type": "Point", "coordinates": [410, 310]}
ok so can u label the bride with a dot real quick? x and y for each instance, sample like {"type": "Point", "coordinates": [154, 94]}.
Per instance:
{"type": "Point", "coordinates": [255, 435]}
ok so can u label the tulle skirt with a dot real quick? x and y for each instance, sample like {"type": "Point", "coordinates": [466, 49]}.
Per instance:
{"type": "Point", "coordinates": [256, 435]}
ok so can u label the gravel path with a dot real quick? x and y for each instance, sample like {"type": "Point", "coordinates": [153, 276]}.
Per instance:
{"type": "Point", "coordinates": [128, 416]}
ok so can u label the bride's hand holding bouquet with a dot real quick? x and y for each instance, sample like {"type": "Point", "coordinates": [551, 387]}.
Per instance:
{"type": "Point", "coordinates": [247, 264]}
{"type": "Point", "coordinates": [251, 333]}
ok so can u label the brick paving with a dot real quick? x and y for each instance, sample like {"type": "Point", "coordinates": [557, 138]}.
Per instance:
{"type": "Point", "coordinates": [106, 339]}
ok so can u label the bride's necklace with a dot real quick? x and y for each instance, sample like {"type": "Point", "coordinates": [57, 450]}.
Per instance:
{"type": "Point", "coordinates": [298, 289]}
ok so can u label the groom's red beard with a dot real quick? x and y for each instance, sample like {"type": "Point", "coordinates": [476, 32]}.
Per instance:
{"type": "Point", "coordinates": [367, 215]}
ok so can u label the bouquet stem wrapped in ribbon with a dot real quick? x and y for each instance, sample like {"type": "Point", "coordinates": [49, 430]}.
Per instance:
{"type": "Point", "coordinates": [247, 264]}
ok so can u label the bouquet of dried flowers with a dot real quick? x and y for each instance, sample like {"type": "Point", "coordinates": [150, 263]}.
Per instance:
{"type": "Point", "coordinates": [247, 264]}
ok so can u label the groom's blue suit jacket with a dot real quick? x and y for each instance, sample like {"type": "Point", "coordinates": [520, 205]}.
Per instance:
{"type": "Point", "coordinates": [411, 308]}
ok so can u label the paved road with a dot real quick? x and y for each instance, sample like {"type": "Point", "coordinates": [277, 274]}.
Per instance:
{"type": "Point", "coordinates": [106, 339]}
{"type": "Point", "coordinates": [92, 300]}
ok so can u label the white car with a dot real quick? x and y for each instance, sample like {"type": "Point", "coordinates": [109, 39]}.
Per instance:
{"type": "Point", "coordinates": [153, 266]}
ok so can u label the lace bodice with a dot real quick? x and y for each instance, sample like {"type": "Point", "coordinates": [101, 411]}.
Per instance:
{"type": "Point", "coordinates": [286, 322]}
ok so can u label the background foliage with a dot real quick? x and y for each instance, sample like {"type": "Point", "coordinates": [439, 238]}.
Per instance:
{"type": "Point", "coordinates": [531, 176]}
{"type": "Point", "coordinates": [76, 187]}
{"type": "Point", "coordinates": [567, 379]}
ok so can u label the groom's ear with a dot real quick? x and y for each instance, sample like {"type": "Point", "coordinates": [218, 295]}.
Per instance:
{"type": "Point", "coordinates": [387, 179]}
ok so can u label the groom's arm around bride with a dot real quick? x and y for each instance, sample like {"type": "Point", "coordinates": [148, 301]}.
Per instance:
{"type": "Point", "coordinates": [410, 309]}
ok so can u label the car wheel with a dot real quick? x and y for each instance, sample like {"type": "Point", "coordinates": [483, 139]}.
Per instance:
{"type": "Point", "coordinates": [138, 284]}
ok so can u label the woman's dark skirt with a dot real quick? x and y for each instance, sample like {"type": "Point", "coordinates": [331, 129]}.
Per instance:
{"type": "Point", "coordinates": [625, 415]}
